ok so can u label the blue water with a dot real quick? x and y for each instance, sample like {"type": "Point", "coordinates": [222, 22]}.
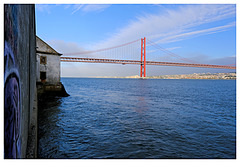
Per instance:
{"type": "Point", "coordinates": [132, 118]}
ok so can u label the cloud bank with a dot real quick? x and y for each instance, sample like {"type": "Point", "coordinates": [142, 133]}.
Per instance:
{"type": "Point", "coordinates": [173, 25]}
{"type": "Point", "coordinates": [167, 26]}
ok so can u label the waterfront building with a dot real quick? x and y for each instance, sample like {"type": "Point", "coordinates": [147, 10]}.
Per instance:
{"type": "Point", "coordinates": [48, 69]}
{"type": "Point", "coordinates": [48, 63]}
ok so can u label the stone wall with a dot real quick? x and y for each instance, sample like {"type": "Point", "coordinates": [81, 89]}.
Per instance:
{"type": "Point", "coordinates": [19, 78]}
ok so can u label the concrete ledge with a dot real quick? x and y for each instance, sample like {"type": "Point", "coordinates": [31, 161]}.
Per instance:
{"type": "Point", "coordinates": [47, 89]}
{"type": "Point", "coordinates": [33, 131]}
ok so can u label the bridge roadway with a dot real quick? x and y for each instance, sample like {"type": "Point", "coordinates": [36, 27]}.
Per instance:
{"type": "Point", "coordinates": [118, 61]}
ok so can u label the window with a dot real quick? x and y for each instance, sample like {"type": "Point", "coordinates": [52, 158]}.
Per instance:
{"type": "Point", "coordinates": [43, 76]}
{"type": "Point", "coordinates": [43, 60]}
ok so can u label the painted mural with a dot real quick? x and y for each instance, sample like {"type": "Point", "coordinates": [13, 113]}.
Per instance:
{"type": "Point", "coordinates": [12, 96]}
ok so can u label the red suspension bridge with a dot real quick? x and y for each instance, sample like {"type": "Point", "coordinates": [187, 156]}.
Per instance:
{"type": "Point", "coordinates": [130, 53]}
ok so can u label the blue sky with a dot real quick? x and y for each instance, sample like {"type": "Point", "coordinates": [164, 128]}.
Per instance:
{"type": "Point", "coordinates": [204, 33]}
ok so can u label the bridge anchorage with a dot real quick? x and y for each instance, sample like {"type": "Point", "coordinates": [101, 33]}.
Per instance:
{"type": "Point", "coordinates": [129, 48]}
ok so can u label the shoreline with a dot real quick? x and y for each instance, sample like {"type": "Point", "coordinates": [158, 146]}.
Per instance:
{"type": "Point", "coordinates": [197, 76]}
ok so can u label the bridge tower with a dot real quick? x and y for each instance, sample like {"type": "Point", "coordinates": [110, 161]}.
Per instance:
{"type": "Point", "coordinates": [143, 58]}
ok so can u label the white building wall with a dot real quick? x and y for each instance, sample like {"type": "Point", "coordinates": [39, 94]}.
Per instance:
{"type": "Point", "coordinates": [52, 64]}
{"type": "Point", "coordinates": [52, 68]}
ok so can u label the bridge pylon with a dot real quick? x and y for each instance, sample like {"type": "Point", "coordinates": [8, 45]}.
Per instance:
{"type": "Point", "coordinates": [143, 58]}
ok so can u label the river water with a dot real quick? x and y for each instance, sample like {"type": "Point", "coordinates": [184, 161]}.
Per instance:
{"type": "Point", "coordinates": [132, 118]}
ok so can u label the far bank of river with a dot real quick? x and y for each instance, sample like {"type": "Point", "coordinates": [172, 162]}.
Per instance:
{"type": "Point", "coordinates": [216, 76]}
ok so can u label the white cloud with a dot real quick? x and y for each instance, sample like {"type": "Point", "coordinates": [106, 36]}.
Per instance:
{"type": "Point", "coordinates": [86, 8]}
{"type": "Point", "coordinates": [90, 8]}
{"type": "Point", "coordinates": [43, 8]}
{"type": "Point", "coordinates": [77, 7]}
{"type": "Point", "coordinates": [182, 36]}
{"type": "Point", "coordinates": [68, 48]}
{"type": "Point", "coordinates": [174, 25]}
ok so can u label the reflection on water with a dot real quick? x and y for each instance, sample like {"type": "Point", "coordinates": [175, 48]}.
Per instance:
{"type": "Point", "coordinates": [48, 124]}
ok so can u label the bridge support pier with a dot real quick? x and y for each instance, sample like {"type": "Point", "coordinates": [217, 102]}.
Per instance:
{"type": "Point", "coordinates": [143, 58]}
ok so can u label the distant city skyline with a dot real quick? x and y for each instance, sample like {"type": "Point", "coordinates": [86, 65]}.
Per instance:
{"type": "Point", "coordinates": [205, 33]}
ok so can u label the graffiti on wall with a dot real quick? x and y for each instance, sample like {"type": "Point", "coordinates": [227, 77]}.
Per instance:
{"type": "Point", "coordinates": [12, 96]}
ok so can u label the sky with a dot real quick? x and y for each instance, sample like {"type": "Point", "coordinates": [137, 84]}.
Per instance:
{"type": "Point", "coordinates": [203, 33]}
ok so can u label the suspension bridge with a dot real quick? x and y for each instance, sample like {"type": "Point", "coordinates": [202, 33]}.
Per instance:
{"type": "Point", "coordinates": [132, 53]}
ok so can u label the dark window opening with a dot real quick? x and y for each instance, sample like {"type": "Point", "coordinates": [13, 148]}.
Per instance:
{"type": "Point", "coordinates": [43, 60]}
{"type": "Point", "coordinates": [43, 76]}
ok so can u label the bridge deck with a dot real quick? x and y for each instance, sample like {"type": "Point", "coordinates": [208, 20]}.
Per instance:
{"type": "Point", "coordinates": [118, 61]}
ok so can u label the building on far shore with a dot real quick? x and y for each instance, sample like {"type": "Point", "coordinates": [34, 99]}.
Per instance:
{"type": "Point", "coordinates": [48, 70]}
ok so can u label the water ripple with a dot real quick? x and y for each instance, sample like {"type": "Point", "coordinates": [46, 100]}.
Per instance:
{"type": "Point", "coordinates": [116, 118]}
